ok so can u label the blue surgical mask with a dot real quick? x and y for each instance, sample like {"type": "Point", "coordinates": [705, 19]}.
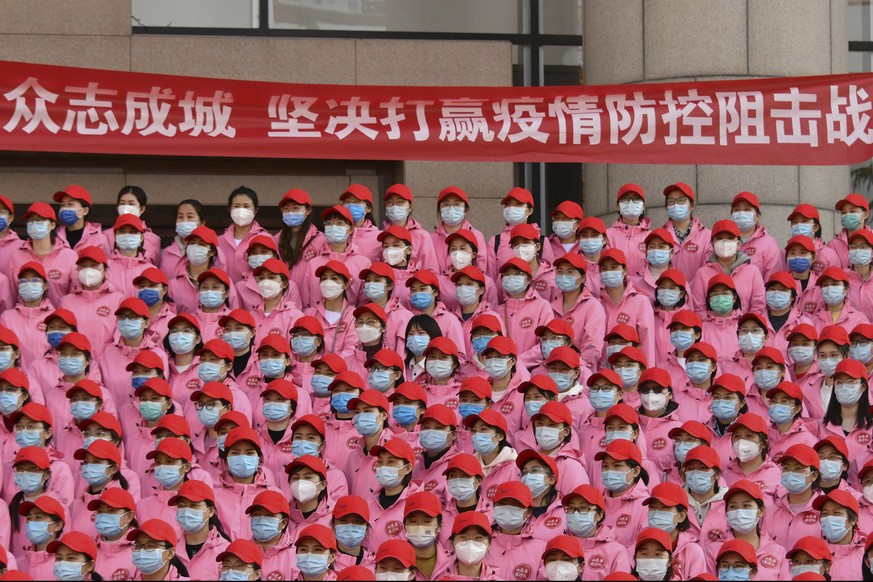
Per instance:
{"type": "Point", "coordinates": [130, 328]}
{"type": "Point", "coordinates": [350, 535]}
{"type": "Point", "coordinates": [612, 279]}
{"type": "Point", "coordinates": [532, 407]}
{"type": "Point", "coordinates": [181, 343]}
{"type": "Point", "coordinates": [83, 410]}
{"type": "Point", "coordinates": [321, 384]}
{"type": "Point", "coordinates": [95, 473]}
{"type": "Point", "coordinates": [108, 525]}
{"type": "Point", "coordinates": [138, 381]}
{"type": "Point", "coordinates": [833, 294]}
{"type": "Point", "coordinates": [208, 417]}
{"type": "Point", "coordinates": [484, 443]}
{"type": "Point", "coordinates": [682, 340]}
{"type": "Point", "coordinates": [801, 354]}
{"type": "Point", "coordinates": [28, 438]}
{"type": "Point", "coordinates": [778, 300]}
{"type": "Point", "coordinates": [265, 527]}
{"type": "Point", "coordinates": [860, 257]}
{"type": "Point", "coordinates": [340, 402]}
{"type": "Point", "coordinates": [663, 520]}
{"type": "Point", "coordinates": [699, 481]}
{"type": "Point", "coordinates": [303, 345]}
{"type": "Point", "coordinates": [745, 220]}
{"type": "Point", "coordinates": [37, 532]}
{"type": "Point", "coordinates": [698, 372]}
{"type": "Point", "coordinates": [68, 216]}
{"type": "Point", "coordinates": [799, 264]}
{"type": "Point", "coordinates": [536, 482]}
{"type": "Point", "coordinates": [300, 447]}
{"type": "Point", "coordinates": [766, 379]}
{"type": "Point", "coordinates": [31, 291]}
{"type": "Point", "coordinates": [190, 519]}
{"type": "Point", "coordinates": [238, 340]}
{"type": "Point", "coordinates": [4, 222]}
{"type": "Point", "coordinates": [421, 300]}
{"type": "Point", "coordinates": [806, 229]}
{"type": "Point", "coordinates": [466, 409]}
{"type": "Point", "coordinates": [658, 257]}
{"type": "Point", "coordinates": [614, 480]}
{"type": "Point", "coordinates": [243, 466]}
{"type": "Point", "coordinates": [336, 233]}
{"type": "Point", "coordinates": [38, 229]}
{"type": "Point", "coordinates": [54, 338]}
{"type": "Point", "coordinates": [9, 402]}
{"type": "Point", "coordinates": [547, 345]}
{"type": "Point", "coordinates": [562, 379]}
{"type": "Point", "coordinates": [211, 299]}
{"type": "Point", "coordinates": [794, 482]}
{"type": "Point", "coordinates": [851, 221]}
{"type": "Point", "coordinates": [834, 528]}
{"type": "Point", "coordinates": [292, 219]}
{"type": "Point", "coordinates": [367, 423]}
{"type": "Point", "coordinates": [27, 481]}
{"type": "Point", "coordinates": [404, 414]}
{"type": "Point", "coordinates": [312, 564]}
{"type": "Point", "coordinates": [602, 400]}
{"type": "Point", "coordinates": [861, 353]}
{"type": "Point", "coordinates": [780, 413]}
{"type": "Point", "coordinates": [452, 215]}
{"type": "Point", "coordinates": [276, 411]}
{"type": "Point", "coordinates": [380, 380]}
{"type": "Point", "coordinates": [678, 212]}
{"type": "Point", "coordinates": [374, 291]}
{"type": "Point", "coordinates": [148, 562]}
{"type": "Point", "coordinates": [724, 410]}
{"type": "Point", "coordinates": [65, 570]}
{"type": "Point", "coordinates": [272, 367]}
{"type": "Point", "coordinates": [168, 475]}
{"type": "Point", "coordinates": [481, 342]}
{"type": "Point", "coordinates": [514, 284]}
{"type": "Point", "coordinates": [357, 209]}
{"type": "Point", "coordinates": [70, 365]}
{"type": "Point", "coordinates": [591, 246]}
{"type": "Point", "coordinates": [680, 450]}
{"type": "Point", "coordinates": [581, 524]}
{"type": "Point", "coordinates": [630, 375]}
{"type": "Point", "coordinates": [734, 573]}
{"type": "Point", "coordinates": [668, 297]}
{"type": "Point", "coordinates": [209, 371]}
{"type": "Point", "coordinates": [150, 297]}
{"type": "Point", "coordinates": [433, 440]}
{"type": "Point", "coordinates": [151, 411]}
{"type": "Point", "coordinates": [416, 343]}
{"type": "Point", "coordinates": [497, 367]}
{"type": "Point", "coordinates": [567, 283]}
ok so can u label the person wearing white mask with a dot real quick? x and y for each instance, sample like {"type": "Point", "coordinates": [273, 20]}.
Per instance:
{"type": "Point", "coordinates": [790, 424]}
{"type": "Point", "coordinates": [836, 308]}
{"type": "Point", "coordinates": [337, 246]}
{"type": "Point", "coordinates": [333, 310]}
{"type": "Point", "coordinates": [310, 492]}
{"type": "Point", "coordinates": [463, 486]}
{"type": "Point", "coordinates": [629, 363]}
{"type": "Point", "coordinates": [243, 207]}
{"type": "Point", "coordinates": [566, 219]}
{"type": "Point", "coordinates": [470, 543]}
{"type": "Point", "coordinates": [567, 371]}
{"type": "Point", "coordinates": [527, 245]}
{"type": "Point", "coordinates": [585, 509]}
{"type": "Point", "coordinates": [127, 259]}
{"type": "Point", "coordinates": [399, 205]}
{"type": "Point", "coordinates": [783, 305]}
{"type": "Point", "coordinates": [398, 560]}
{"type": "Point", "coordinates": [132, 200]}
{"type": "Point", "coordinates": [277, 313]}
{"type": "Point", "coordinates": [762, 249]}
{"type": "Point", "coordinates": [377, 286]}
{"type": "Point", "coordinates": [370, 322]}
{"type": "Point", "coordinates": [189, 215]}
{"type": "Point", "coordinates": [552, 429]}
{"type": "Point", "coordinates": [653, 557]}
{"type": "Point", "coordinates": [728, 403]}
{"type": "Point", "coordinates": [629, 231]}
{"type": "Point", "coordinates": [848, 412]}
{"type": "Point", "coordinates": [371, 412]}
{"type": "Point", "coordinates": [659, 414]}
{"type": "Point", "coordinates": [751, 453]}
{"type": "Point", "coordinates": [861, 348]}
{"type": "Point", "coordinates": [74, 556]}
{"type": "Point", "coordinates": [453, 205]}
{"type": "Point", "coordinates": [26, 316]}
{"type": "Point", "coordinates": [728, 259]}
{"type": "Point", "coordinates": [622, 301]}
{"type": "Point", "coordinates": [801, 338]}
{"type": "Point", "coordinates": [518, 207]}
{"type": "Point", "coordinates": [200, 255]}
{"type": "Point", "coordinates": [41, 246]}
{"type": "Point", "coordinates": [592, 242]}
{"type": "Point", "coordinates": [462, 250]}
{"type": "Point", "coordinates": [261, 249]}
{"type": "Point", "coordinates": [660, 247]}
{"type": "Point", "coordinates": [422, 526]}
{"type": "Point", "coordinates": [577, 305]}
{"type": "Point", "coordinates": [693, 239]}
{"type": "Point", "coordinates": [441, 366]}
{"type": "Point", "coordinates": [398, 252]}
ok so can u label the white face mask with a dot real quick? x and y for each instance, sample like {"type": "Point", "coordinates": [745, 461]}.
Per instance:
{"type": "Point", "coordinates": [630, 209]}
{"type": "Point", "coordinates": [90, 277]}
{"type": "Point", "coordinates": [461, 259]}
{"type": "Point", "coordinates": [393, 255]}
{"type": "Point", "coordinates": [242, 216]}
{"type": "Point", "coordinates": [128, 209]}
{"type": "Point", "coordinates": [470, 552]}
{"type": "Point", "coordinates": [197, 254]}
{"type": "Point", "coordinates": [746, 450]}
{"type": "Point", "coordinates": [651, 569]}
{"type": "Point", "coordinates": [868, 493]}
{"type": "Point", "coordinates": [368, 334]}
{"type": "Point", "coordinates": [653, 401]}
{"type": "Point", "coordinates": [330, 289]}
{"type": "Point", "coordinates": [514, 215]}
{"type": "Point", "coordinates": [303, 490]}
{"type": "Point", "coordinates": [725, 249]}
{"type": "Point", "coordinates": [269, 289]}
{"type": "Point", "coordinates": [561, 571]}
{"type": "Point", "coordinates": [525, 252]}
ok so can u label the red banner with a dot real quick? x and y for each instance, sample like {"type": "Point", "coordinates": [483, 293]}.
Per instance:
{"type": "Point", "coordinates": [806, 120]}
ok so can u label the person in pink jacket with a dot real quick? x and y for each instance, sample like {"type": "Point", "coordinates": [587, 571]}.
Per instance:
{"type": "Point", "coordinates": [56, 257]}
{"type": "Point", "coordinates": [526, 245]}
{"type": "Point", "coordinates": [310, 492]}
{"type": "Point", "coordinates": [628, 232]}
{"type": "Point", "coordinates": [653, 556]}
{"type": "Point", "coordinates": [44, 522]}
{"type": "Point", "coordinates": [261, 249]}
{"type": "Point", "coordinates": [203, 534]}
{"type": "Point", "coordinates": [378, 286]}
{"type": "Point", "coordinates": [213, 301]}
{"type": "Point", "coordinates": [422, 525]}
{"type": "Point", "coordinates": [438, 439]}
{"type": "Point", "coordinates": [848, 412]}
{"type": "Point", "coordinates": [514, 543]}
{"type": "Point", "coordinates": [566, 219]}
{"type": "Point", "coordinates": [74, 230]}
{"type": "Point", "coordinates": [132, 200]}
{"type": "Point", "coordinates": [580, 308]}
{"type": "Point", "coordinates": [622, 302]}
{"type": "Point", "coordinates": [585, 508]}
{"type": "Point", "coordinates": [398, 212]}
{"type": "Point", "coordinates": [241, 557]}
{"type": "Point", "coordinates": [398, 253]}
{"type": "Point", "coordinates": [276, 314]}
{"type": "Point", "coordinates": [127, 260]}
{"type": "Point", "coordinates": [839, 527]}
{"type": "Point", "coordinates": [201, 254]}
{"type": "Point", "coordinates": [277, 411]}
{"type": "Point", "coordinates": [737, 558]}
{"type": "Point", "coordinates": [298, 238]}
{"type": "Point", "coordinates": [659, 246]}
{"type": "Point", "coordinates": [751, 459]}
{"type": "Point", "coordinates": [811, 555]}
{"type": "Point", "coordinates": [806, 221]}
{"type": "Point", "coordinates": [189, 215]}
{"type": "Point", "coordinates": [155, 553]}
{"type": "Point", "coordinates": [523, 308]}
{"type": "Point", "coordinates": [470, 543]}
{"type": "Point", "coordinates": [784, 305]}
{"type": "Point", "coordinates": [672, 295]}
{"type": "Point", "coordinates": [552, 428]}
{"type": "Point", "coordinates": [75, 554]}
{"type": "Point", "coordinates": [9, 239]}
{"type": "Point", "coordinates": [836, 308]}
{"type": "Point", "coordinates": [337, 248]}
{"type": "Point", "coordinates": [789, 425]}
{"type": "Point", "coordinates": [26, 317]}
{"type": "Point", "coordinates": [94, 298]}
{"type": "Point", "coordinates": [800, 260]}
{"type": "Point", "coordinates": [694, 241]}
{"type": "Point", "coordinates": [152, 286]}
{"type": "Point", "coordinates": [625, 482]}
{"type": "Point", "coordinates": [832, 347]}
{"type": "Point", "coordinates": [359, 200]}
{"type": "Point", "coordinates": [243, 207]}
{"type": "Point", "coordinates": [271, 531]}
{"type": "Point", "coordinates": [669, 511]}
{"type": "Point", "coordinates": [756, 242]}
{"type": "Point", "coordinates": [518, 206]}
{"type": "Point", "coordinates": [854, 212]}
{"type": "Point", "coordinates": [722, 314]}
{"type": "Point", "coordinates": [700, 473]}
{"type": "Point", "coordinates": [659, 415]}
{"type": "Point", "coordinates": [351, 517]}
{"type": "Point", "coordinates": [36, 471]}
{"type": "Point", "coordinates": [791, 515]}
{"type": "Point", "coordinates": [691, 392]}
{"type": "Point", "coordinates": [114, 517]}
{"type": "Point", "coordinates": [860, 286]}
{"type": "Point", "coordinates": [170, 467]}
{"type": "Point", "coordinates": [834, 462]}
{"type": "Point", "coordinates": [453, 206]}
{"type": "Point", "coordinates": [424, 298]}
{"type": "Point", "coordinates": [728, 259]}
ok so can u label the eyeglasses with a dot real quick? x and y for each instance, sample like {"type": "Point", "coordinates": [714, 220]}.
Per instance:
{"type": "Point", "coordinates": [479, 539]}
{"type": "Point", "coordinates": [208, 405]}
{"type": "Point", "coordinates": [680, 201]}
{"type": "Point", "coordinates": [148, 546]}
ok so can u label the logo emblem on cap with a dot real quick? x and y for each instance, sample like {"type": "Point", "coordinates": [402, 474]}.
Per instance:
{"type": "Point", "coordinates": [103, 311]}
{"type": "Point", "coordinates": [623, 520]}
{"type": "Point", "coordinates": [521, 572]}
{"type": "Point", "coordinates": [526, 323]}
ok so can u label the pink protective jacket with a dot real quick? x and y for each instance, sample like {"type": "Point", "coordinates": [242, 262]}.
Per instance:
{"type": "Point", "coordinates": [603, 555]}
{"type": "Point", "coordinates": [626, 515]}
{"type": "Point", "coordinates": [235, 251]}
{"type": "Point", "coordinates": [635, 310]}
{"type": "Point", "coordinates": [747, 278]}
{"type": "Point", "coordinates": [233, 498]}
{"type": "Point", "coordinates": [439, 235]}
{"type": "Point", "coordinates": [121, 271]}
{"type": "Point", "coordinates": [151, 243]}
{"type": "Point", "coordinates": [504, 251]}
{"type": "Point", "coordinates": [353, 259]}
{"type": "Point", "coordinates": [764, 252]}
{"type": "Point", "coordinates": [518, 555]}
{"type": "Point", "coordinates": [423, 253]}
{"type": "Point", "coordinates": [27, 323]}
{"type": "Point", "coordinates": [91, 237]}
{"type": "Point", "coordinates": [114, 559]}
{"type": "Point", "coordinates": [693, 252]}
{"type": "Point", "coordinates": [59, 265]}
{"type": "Point", "coordinates": [631, 240]}
{"type": "Point", "coordinates": [520, 317]}
{"type": "Point", "coordinates": [95, 312]}
{"type": "Point", "coordinates": [588, 320]}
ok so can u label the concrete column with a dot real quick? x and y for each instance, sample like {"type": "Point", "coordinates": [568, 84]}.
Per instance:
{"type": "Point", "coordinates": [651, 41]}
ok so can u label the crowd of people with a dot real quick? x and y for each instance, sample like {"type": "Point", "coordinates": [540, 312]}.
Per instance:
{"type": "Point", "coordinates": [364, 401]}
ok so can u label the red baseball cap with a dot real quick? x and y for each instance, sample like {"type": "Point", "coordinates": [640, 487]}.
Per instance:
{"type": "Point", "coordinates": [721, 279]}
{"type": "Point", "coordinates": [519, 194]}
{"type": "Point", "coordinates": [528, 455]}
{"type": "Point", "coordinates": [310, 324]}
{"type": "Point", "coordinates": [146, 359]}
{"type": "Point", "coordinates": [424, 501]}
{"type": "Point", "coordinates": [783, 278]}
{"type": "Point", "coordinates": [803, 241]}
{"type": "Point", "coordinates": [158, 385]}
{"type": "Point", "coordinates": [103, 419]}
{"type": "Point", "coordinates": [129, 220]}
{"type": "Point", "coordinates": [76, 541]}
{"type": "Point", "coordinates": [443, 345]}
{"type": "Point", "coordinates": [804, 330]}
{"type": "Point", "coordinates": [556, 412]}
{"type": "Point", "coordinates": [35, 455]}
{"type": "Point", "coordinates": [670, 494]}
{"type": "Point", "coordinates": [359, 191]}
{"type": "Point", "coordinates": [467, 235]}
{"type": "Point", "coordinates": [834, 333]}
{"type": "Point", "coordinates": [5, 201]}
{"type": "Point", "coordinates": [246, 550]}
{"type": "Point", "coordinates": [614, 254]}
{"type": "Point", "coordinates": [264, 240]}
{"type": "Point", "coordinates": [656, 535]}
{"type": "Point", "coordinates": [335, 266]}
{"type": "Point", "coordinates": [854, 200]}
{"type": "Point", "coordinates": [574, 260]}
{"type": "Point", "coordinates": [686, 318]}
{"type": "Point", "coordinates": [725, 225]}
{"type": "Point", "coordinates": [862, 233]}
{"type": "Point", "coordinates": [742, 548]}
{"type": "Point", "coordinates": [790, 389]}
{"type": "Point", "coordinates": [351, 505]}
{"type": "Point", "coordinates": [219, 348]}
{"type": "Point", "coordinates": [674, 275]}
{"type": "Point", "coordinates": [283, 388]}
{"type": "Point", "coordinates": [452, 191]}
{"type": "Point", "coordinates": [242, 433]}
{"type": "Point", "coordinates": [401, 190]}
{"type": "Point", "coordinates": [517, 263]}
{"type": "Point", "coordinates": [42, 210]}
{"type": "Point", "coordinates": [834, 273]}
{"type": "Point", "coordinates": [524, 231]}
{"type": "Point", "coordinates": [816, 547]}
{"type": "Point", "coordinates": [836, 442]}
{"type": "Point", "coordinates": [396, 448]}
{"type": "Point", "coordinates": [370, 398]}
{"type": "Point", "coordinates": [682, 187]}
{"type": "Point", "coordinates": [311, 420]}
{"type": "Point", "coordinates": [173, 448]}
{"type": "Point", "coordinates": [240, 316]}
{"type": "Point", "coordinates": [540, 382]}
{"type": "Point", "coordinates": [704, 349]}
{"type": "Point", "coordinates": [213, 390]}
{"type": "Point", "coordinates": [631, 352]}
{"type": "Point", "coordinates": [151, 275]}
{"type": "Point", "coordinates": [297, 196]}
{"type": "Point", "coordinates": [478, 385]}
{"type": "Point", "coordinates": [373, 308]}
{"type": "Point", "coordinates": [64, 315]}
{"type": "Point", "coordinates": [487, 321]}
{"type": "Point", "coordinates": [308, 461]}
{"type": "Point", "coordinates": [96, 254]}
{"type": "Point", "coordinates": [158, 530]}
{"type": "Point", "coordinates": [753, 422]}
{"type": "Point", "coordinates": [17, 378]}
{"type": "Point", "coordinates": [557, 326]}
{"type": "Point", "coordinates": [114, 497]}
{"type": "Point", "coordinates": [378, 268]}
{"type": "Point", "coordinates": [277, 342]}
{"type": "Point", "coordinates": [570, 209]}
{"type": "Point", "coordinates": [320, 533]}
{"type": "Point", "coordinates": [470, 271]}
{"type": "Point", "coordinates": [630, 188]}
{"type": "Point", "coordinates": [587, 492]}
{"type": "Point", "coordinates": [621, 450]}
{"type": "Point", "coordinates": [75, 192]}
{"type": "Point", "coordinates": [413, 391]}
{"type": "Point", "coordinates": [354, 573]}
{"type": "Point", "coordinates": [101, 449]}
{"type": "Point", "coordinates": [570, 545]}
{"type": "Point", "coordinates": [234, 417]}
{"type": "Point", "coordinates": [397, 232]}
{"type": "Point", "coordinates": [623, 331]}
{"type": "Point", "coordinates": [658, 376]}
{"type": "Point", "coordinates": [175, 423]}
{"type": "Point", "coordinates": [805, 211]}
{"type": "Point", "coordinates": [803, 454]}
{"type": "Point", "coordinates": [400, 550]}
{"type": "Point", "coordinates": [593, 223]}
{"type": "Point", "coordinates": [694, 428]}
{"type": "Point", "coordinates": [661, 234]}
{"type": "Point", "coordinates": [624, 412]}
{"type": "Point", "coordinates": [35, 267]}
{"type": "Point", "coordinates": [706, 455]}
{"type": "Point", "coordinates": [425, 277]}
{"type": "Point", "coordinates": [769, 353]}
{"type": "Point", "coordinates": [744, 486]}
{"type": "Point", "coordinates": [215, 273]}
{"type": "Point", "coordinates": [75, 339]}
{"type": "Point", "coordinates": [466, 463]}
{"type": "Point", "coordinates": [747, 197]}
{"type": "Point", "coordinates": [35, 412]}
{"type": "Point", "coordinates": [475, 519]}
{"type": "Point", "coordinates": [852, 368]}
{"type": "Point", "coordinates": [46, 504]}
{"type": "Point", "coordinates": [134, 304]}
{"type": "Point", "coordinates": [502, 345]}
{"type": "Point", "coordinates": [838, 496]}
{"type": "Point", "coordinates": [514, 490]}
{"type": "Point", "coordinates": [386, 357]}
{"type": "Point", "coordinates": [490, 417]}
{"type": "Point", "coordinates": [205, 234]}
{"type": "Point", "coordinates": [441, 414]}
{"type": "Point", "coordinates": [275, 266]}
{"type": "Point", "coordinates": [565, 355]}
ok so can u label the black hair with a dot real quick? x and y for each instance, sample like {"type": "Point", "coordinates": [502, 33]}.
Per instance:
{"type": "Point", "coordinates": [169, 351]}
{"type": "Point", "coordinates": [137, 193]}
{"type": "Point", "coordinates": [291, 245]}
{"type": "Point", "coordinates": [863, 419]}
{"type": "Point", "coordinates": [177, 563]}
{"type": "Point", "coordinates": [198, 207]}
{"type": "Point", "coordinates": [243, 191]}
{"type": "Point", "coordinates": [643, 476]}
{"type": "Point", "coordinates": [425, 322]}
